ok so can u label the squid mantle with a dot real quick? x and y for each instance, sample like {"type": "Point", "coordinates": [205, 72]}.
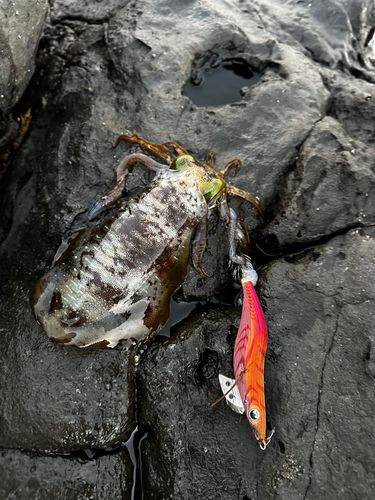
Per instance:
{"type": "Point", "coordinates": [111, 284]}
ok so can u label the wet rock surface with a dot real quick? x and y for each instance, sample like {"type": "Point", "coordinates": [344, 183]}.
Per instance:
{"type": "Point", "coordinates": [25, 476]}
{"type": "Point", "coordinates": [304, 133]}
{"type": "Point", "coordinates": [67, 400]}
{"type": "Point", "coordinates": [21, 26]}
{"type": "Point", "coordinates": [320, 347]}
{"type": "Point", "coordinates": [330, 189]}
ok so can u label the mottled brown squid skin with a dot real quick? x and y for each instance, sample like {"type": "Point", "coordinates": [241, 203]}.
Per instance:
{"type": "Point", "coordinates": [112, 284]}
{"type": "Point", "coordinates": [115, 283]}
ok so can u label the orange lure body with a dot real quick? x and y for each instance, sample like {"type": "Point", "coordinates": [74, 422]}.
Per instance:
{"type": "Point", "coordinates": [249, 355]}
{"type": "Point", "coordinates": [245, 394]}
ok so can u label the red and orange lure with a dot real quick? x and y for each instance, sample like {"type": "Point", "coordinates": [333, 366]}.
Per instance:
{"type": "Point", "coordinates": [246, 392]}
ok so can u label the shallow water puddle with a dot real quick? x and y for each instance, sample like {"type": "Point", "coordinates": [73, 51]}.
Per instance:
{"type": "Point", "coordinates": [179, 311]}
{"type": "Point", "coordinates": [221, 85]}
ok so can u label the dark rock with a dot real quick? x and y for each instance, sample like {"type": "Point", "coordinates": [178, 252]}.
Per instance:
{"type": "Point", "coordinates": [353, 105]}
{"type": "Point", "coordinates": [366, 32]}
{"type": "Point", "coordinates": [21, 26]}
{"type": "Point", "coordinates": [331, 190]}
{"type": "Point", "coordinates": [10, 133]}
{"type": "Point", "coordinates": [322, 319]}
{"type": "Point", "coordinates": [60, 399]}
{"type": "Point", "coordinates": [86, 10]}
{"type": "Point", "coordinates": [25, 476]}
{"type": "Point", "coordinates": [322, 30]}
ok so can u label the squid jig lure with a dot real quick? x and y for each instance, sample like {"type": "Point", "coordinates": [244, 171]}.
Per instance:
{"type": "Point", "coordinates": [245, 393]}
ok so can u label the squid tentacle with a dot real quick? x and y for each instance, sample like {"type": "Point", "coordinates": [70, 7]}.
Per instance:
{"type": "Point", "coordinates": [159, 149]}
{"type": "Point", "coordinates": [230, 217]}
{"type": "Point", "coordinates": [180, 150]}
{"type": "Point", "coordinates": [211, 158]}
{"type": "Point", "coordinates": [230, 166]}
{"type": "Point", "coordinates": [199, 244]}
{"type": "Point", "coordinates": [121, 173]}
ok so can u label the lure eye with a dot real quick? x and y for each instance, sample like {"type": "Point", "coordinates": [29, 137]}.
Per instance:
{"type": "Point", "coordinates": [254, 414]}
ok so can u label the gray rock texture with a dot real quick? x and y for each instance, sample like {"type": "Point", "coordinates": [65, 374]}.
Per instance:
{"type": "Point", "coordinates": [69, 400]}
{"type": "Point", "coordinates": [21, 26]}
{"type": "Point", "coordinates": [25, 476]}
{"type": "Point", "coordinates": [329, 189]}
{"type": "Point", "coordinates": [305, 135]}
{"type": "Point", "coordinates": [322, 344]}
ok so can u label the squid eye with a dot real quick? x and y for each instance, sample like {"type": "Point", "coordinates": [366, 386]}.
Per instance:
{"type": "Point", "coordinates": [254, 414]}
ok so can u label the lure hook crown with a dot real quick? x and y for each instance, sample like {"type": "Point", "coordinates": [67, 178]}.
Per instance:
{"type": "Point", "coordinates": [263, 444]}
